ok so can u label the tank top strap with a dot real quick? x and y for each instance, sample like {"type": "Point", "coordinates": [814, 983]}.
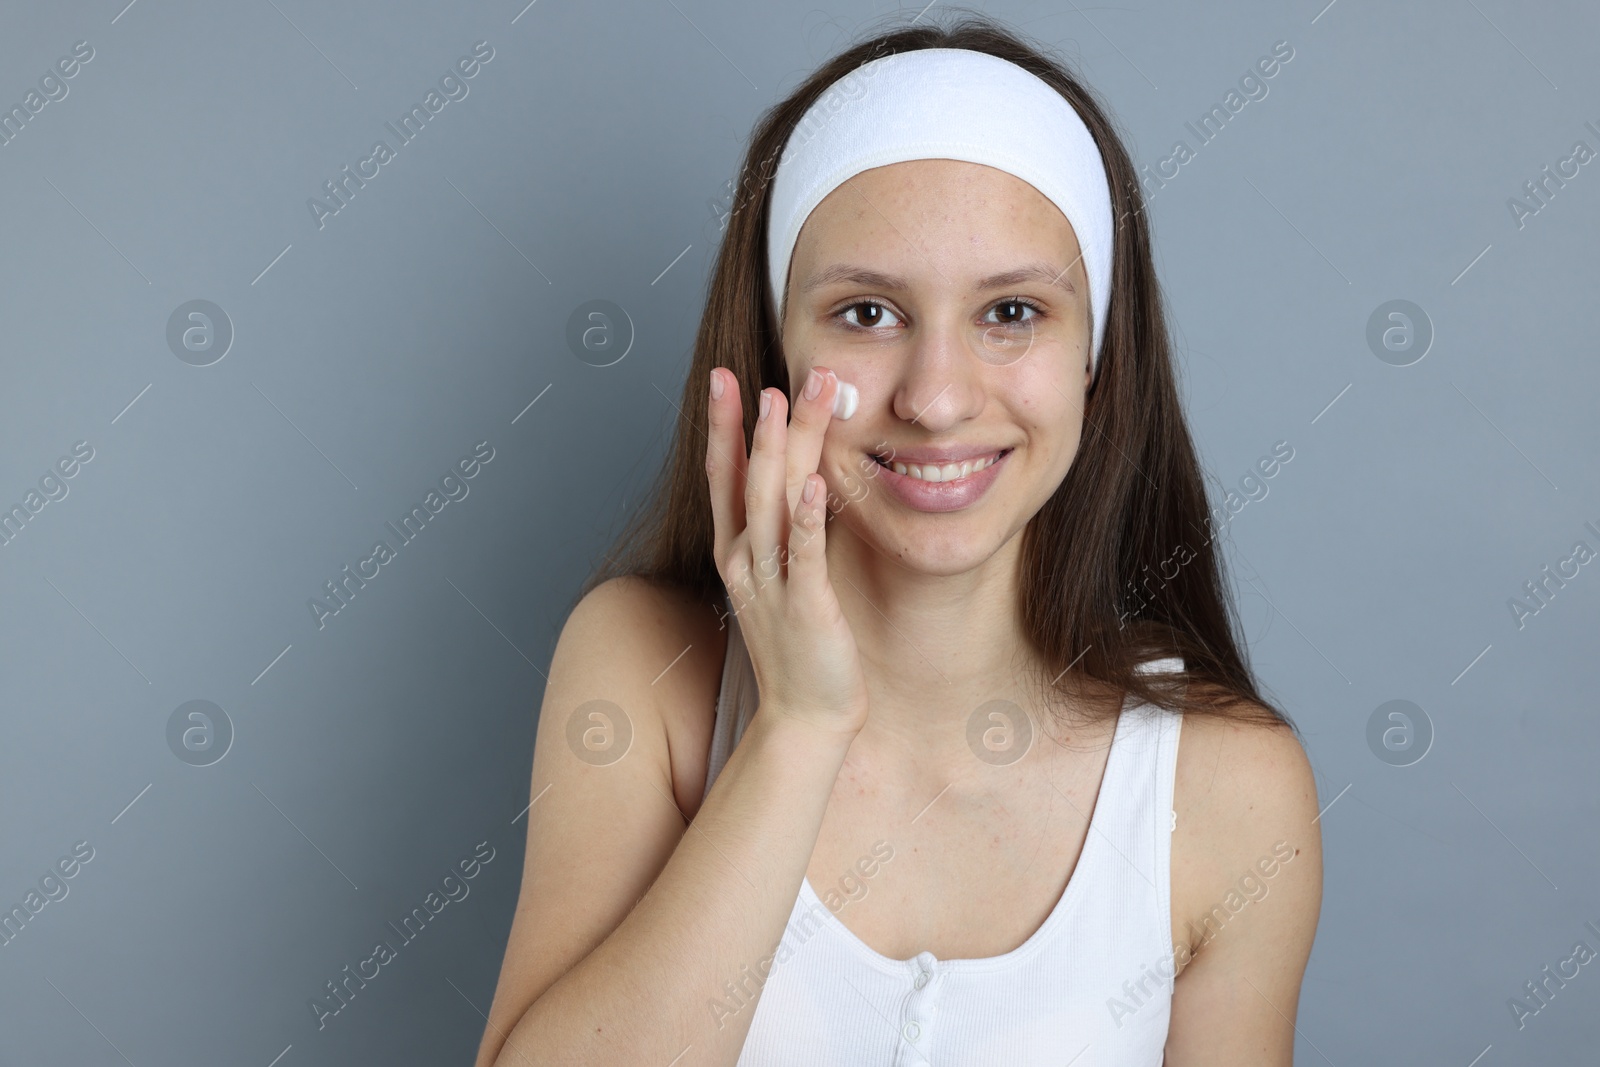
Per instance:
{"type": "Point", "coordinates": [1140, 798]}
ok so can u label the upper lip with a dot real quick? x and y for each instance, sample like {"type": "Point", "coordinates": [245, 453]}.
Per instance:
{"type": "Point", "coordinates": [939, 456]}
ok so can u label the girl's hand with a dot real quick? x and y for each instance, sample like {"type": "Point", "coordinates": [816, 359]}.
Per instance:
{"type": "Point", "coordinates": [770, 542]}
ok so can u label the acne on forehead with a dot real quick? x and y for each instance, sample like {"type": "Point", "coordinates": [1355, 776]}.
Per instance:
{"type": "Point", "coordinates": [934, 185]}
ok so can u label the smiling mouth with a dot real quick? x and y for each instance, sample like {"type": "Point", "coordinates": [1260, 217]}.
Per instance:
{"type": "Point", "coordinates": [948, 472]}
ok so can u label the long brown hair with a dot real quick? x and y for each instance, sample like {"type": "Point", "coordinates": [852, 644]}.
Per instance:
{"type": "Point", "coordinates": [1132, 509]}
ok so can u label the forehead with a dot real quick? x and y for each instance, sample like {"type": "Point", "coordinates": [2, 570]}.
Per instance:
{"type": "Point", "coordinates": [902, 209]}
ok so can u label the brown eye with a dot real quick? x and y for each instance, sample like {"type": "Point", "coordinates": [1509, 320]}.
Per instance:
{"type": "Point", "coordinates": [867, 319]}
{"type": "Point", "coordinates": [1011, 312]}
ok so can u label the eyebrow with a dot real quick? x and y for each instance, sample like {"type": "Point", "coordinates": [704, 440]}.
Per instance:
{"type": "Point", "coordinates": [845, 272]}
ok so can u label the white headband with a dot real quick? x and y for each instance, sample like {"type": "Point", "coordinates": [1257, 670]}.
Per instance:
{"type": "Point", "coordinates": [946, 103]}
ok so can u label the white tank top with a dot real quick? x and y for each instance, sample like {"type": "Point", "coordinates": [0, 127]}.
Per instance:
{"type": "Point", "coordinates": [1092, 987]}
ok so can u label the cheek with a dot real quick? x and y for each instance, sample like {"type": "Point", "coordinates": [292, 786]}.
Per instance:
{"type": "Point", "coordinates": [1047, 407]}
{"type": "Point", "coordinates": [873, 378]}
{"type": "Point", "coordinates": [849, 472]}
{"type": "Point", "coordinates": [1046, 400]}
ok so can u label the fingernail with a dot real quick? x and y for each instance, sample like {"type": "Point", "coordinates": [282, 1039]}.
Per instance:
{"type": "Point", "coordinates": [766, 405]}
{"type": "Point", "coordinates": [716, 386]}
{"type": "Point", "coordinates": [811, 488]}
{"type": "Point", "coordinates": [813, 384]}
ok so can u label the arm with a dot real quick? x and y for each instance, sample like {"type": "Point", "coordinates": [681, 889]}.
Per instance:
{"type": "Point", "coordinates": [1235, 1001]}
{"type": "Point", "coordinates": [629, 923]}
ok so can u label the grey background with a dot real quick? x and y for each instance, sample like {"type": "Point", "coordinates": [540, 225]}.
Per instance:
{"type": "Point", "coordinates": [587, 159]}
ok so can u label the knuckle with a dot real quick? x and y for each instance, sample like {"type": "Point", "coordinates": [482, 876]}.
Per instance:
{"type": "Point", "coordinates": [808, 528]}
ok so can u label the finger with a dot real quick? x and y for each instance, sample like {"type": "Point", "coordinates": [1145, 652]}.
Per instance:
{"type": "Point", "coordinates": [808, 564]}
{"type": "Point", "coordinates": [807, 428]}
{"type": "Point", "coordinates": [766, 509]}
{"type": "Point", "coordinates": [725, 462]}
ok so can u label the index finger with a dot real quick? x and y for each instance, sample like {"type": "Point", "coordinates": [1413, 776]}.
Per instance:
{"type": "Point", "coordinates": [808, 425]}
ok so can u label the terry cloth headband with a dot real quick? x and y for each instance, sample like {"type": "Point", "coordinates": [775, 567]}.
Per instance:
{"type": "Point", "coordinates": [947, 103]}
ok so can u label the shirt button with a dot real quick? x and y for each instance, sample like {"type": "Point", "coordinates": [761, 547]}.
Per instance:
{"type": "Point", "coordinates": [922, 980]}
{"type": "Point", "coordinates": [912, 1031]}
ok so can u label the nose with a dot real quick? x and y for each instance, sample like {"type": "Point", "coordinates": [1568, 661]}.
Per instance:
{"type": "Point", "coordinates": [941, 384]}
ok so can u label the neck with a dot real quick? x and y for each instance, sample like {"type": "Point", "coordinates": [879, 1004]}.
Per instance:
{"type": "Point", "coordinates": [934, 648]}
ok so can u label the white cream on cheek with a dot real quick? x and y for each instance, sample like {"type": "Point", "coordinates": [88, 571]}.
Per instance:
{"type": "Point", "coordinates": [845, 400]}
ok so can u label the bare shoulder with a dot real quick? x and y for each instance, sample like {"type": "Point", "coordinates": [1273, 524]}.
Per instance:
{"type": "Point", "coordinates": [613, 779]}
{"type": "Point", "coordinates": [676, 644]}
{"type": "Point", "coordinates": [1246, 889]}
{"type": "Point", "coordinates": [1245, 799]}
{"type": "Point", "coordinates": [1232, 766]}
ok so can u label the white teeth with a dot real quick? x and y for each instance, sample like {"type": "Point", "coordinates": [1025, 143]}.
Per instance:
{"type": "Point", "coordinates": [947, 473]}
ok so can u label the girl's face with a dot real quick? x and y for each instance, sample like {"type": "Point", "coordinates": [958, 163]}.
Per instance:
{"type": "Point", "coordinates": [952, 295]}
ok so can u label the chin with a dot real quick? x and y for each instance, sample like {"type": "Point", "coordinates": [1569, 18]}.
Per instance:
{"type": "Point", "coordinates": [933, 544]}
